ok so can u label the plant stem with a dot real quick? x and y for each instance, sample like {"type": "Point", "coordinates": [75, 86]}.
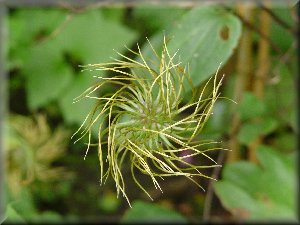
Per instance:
{"type": "Point", "coordinates": [261, 74]}
{"type": "Point", "coordinates": [244, 69]}
{"type": "Point", "coordinates": [210, 189]}
{"type": "Point", "coordinates": [251, 26]}
{"type": "Point", "coordinates": [278, 20]}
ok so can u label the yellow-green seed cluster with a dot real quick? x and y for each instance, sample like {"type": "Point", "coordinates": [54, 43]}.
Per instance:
{"type": "Point", "coordinates": [147, 120]}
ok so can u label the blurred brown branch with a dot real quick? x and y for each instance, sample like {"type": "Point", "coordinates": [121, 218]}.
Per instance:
{"type": "Point", "coordinates": [242, 83]}
{"type": "Point", "coordinates": [251, 26]}
{"type": "Point", "coordinates": [278, 20]}
{"type": "Point", "coordinates": [210, 189]}
{"type": "Point", "coordinates": [261, 74]}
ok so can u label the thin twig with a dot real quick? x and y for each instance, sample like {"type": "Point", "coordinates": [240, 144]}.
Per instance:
{"type": "Point", "coordinates": [72, 11]}
{"type": "Point", "coordinates": [210, 190]}
{"type": "Point", "coordinates": [261, 75]}
{"type": "Point", "coordinates": [283, 60]}
{"type": "Point", "coordinates": [278, 20]}
{"type": "Point", "coordinates": [257, 30]}
{"type": "Point", "coordinates": [244, 68]}
{"type": "Point", "coordinates": [59, 28]}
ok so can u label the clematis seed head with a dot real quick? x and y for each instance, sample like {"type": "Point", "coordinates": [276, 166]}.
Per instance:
{"type": "Point", "coordinates": [147, 120]}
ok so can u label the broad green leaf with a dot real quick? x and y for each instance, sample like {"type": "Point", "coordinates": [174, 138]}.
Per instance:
{"type": "Point", "coordinates": [76, 112]}
{"type": "Point", "coordinates": [234, 172]}
{"type": "Point", "coordinates": [285, 41]}
{"type": "Point", "coordinates": [235, 199]}
{"type": "Point", "coordinates": [21, 207]}
{"type": "Point", "coordinates": [275, 166]}
{"type": "Point", "coordinates": [261, 192]}
{"type": "Point", "coordinates": [47, 74]}
{"type": "Point", "coordinates": [286, 142]}
{"type": "Point", "coordinates": [205, 36]}
{"type": "Point", "coordinates": [247, 207]}
{"type": "Point", "coordinates": [28, 26]}
{"type": "Point", "coordinates": [91, 38]}
{"type": "Point", "coordinates": [267, 125]}
{"type": "Point", "coordinates": [281, 96]}
{"type": "Point", "coordinates": [248, 133]}
{"type": "Point", "coordinates": [217, 125]}
{"type": "Point", "coordinates": [41, 64]}
{"type": "Point", "coordinates": [47, 217]}
{"type": "Point", "coordinates": [92, 43]}
{"type": "Point", "coordinates": [113, 13]}
{"type": "Point", "coordinates": [252, 129]}
{"type": "Point", "coordinates": [11, 216]}
{"type": "Point", "coordinates": [271, 161]}
{"type": "Point", "coordinates": [87, 38]}
{"type": "Point", "coordinates": [250, 106]}
{"type": "Point", "coordinates": [109, 202]}
{"type": "Point", "coordinates": [142, 212]}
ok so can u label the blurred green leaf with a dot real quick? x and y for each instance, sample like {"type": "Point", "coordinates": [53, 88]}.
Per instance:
{"type": "Point", "coordinates": [233, 173]}
{"type": "Point", "coordinates": [281, 96]}
{"type": "Point", "coordinates": [251, 192]}
{"type": "Point", "coordinates": [76, 112]}
{"type": "Point", "coordinates": [235, 199]}
{"type": "Point", "coordinates": [150, 213]}
{"type": "Point", "coordinates": [252, 129]}
{"type": "Point", "coordinates": [113, 13]}
{"type": "Point", "coordinates": [90, 44]}
{"type": "Point", "coordinates": [267, 125]}
{"type": "Point", "coordinates": [294, 120]}
{"type": "Point", "coordinates": [202, 27]}
{"type": "Point", "coordinates": [46, 73]}
{"type": "Point", "coordinates": [24, 210]}
{"type": "Point", "coordinates": [286, 142]}
{"type": "Point", "coordinates": [24, 204]}
{"type": "Point", "coordinates": [165, 16]}
{"type": "Point", "coordinates": [21, 208]}
{"type": "Point", "coordinates": [199, 28]}
{"type": "Point", "coordinates": [217, 125]}
{"type": "Point", "coordinates": [51, 66]}
{"type": "Point", "coordinates": [31, 22]}
{"type": "Point", "coordinates": [277, 164]}
{"type": "Point", "coordinates": [248, 133]}
{"type": "Point", "coordinates": [109, 202]}
{"type": "Point", "coordinates": [250, 106]}
{"type": "Point", "coordinates": [47, 217]}
{"type": "Point", "coordinates": [11, 216]}
{"type": "Point", "coordinates": [91, 39]}
{"type": "Point", "coordinates": [284, 42]}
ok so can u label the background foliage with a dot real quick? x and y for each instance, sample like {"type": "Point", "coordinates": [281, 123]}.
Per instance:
{"type": "Point", "coordinates": [47, 45]}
